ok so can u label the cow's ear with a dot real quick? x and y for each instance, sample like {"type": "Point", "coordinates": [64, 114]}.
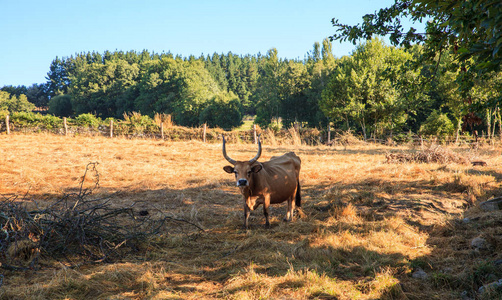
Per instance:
{"type": "Point", "coordinates": [228, 169]}
{"type": "Point", "coordinates": [256, 168]}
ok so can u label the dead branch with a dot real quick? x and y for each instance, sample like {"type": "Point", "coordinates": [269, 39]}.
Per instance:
{"type": "Point", "coordinates": [78, 229]}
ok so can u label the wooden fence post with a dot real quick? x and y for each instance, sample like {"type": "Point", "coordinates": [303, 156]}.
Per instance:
{"type": "Point", "coordinates": [7, 123]}
{"type": "Point", "coordinates": [254, 134]}
{"type": "Point", "coordinates": [65, 126]}
{"type": "Point", "coordinates": [162, 130]}
{"type": "Point", "coordinates": [205, 130]}
{"type": "Point", "coordinates": [111, 128]}
{"type": "Point", "coordinates": [329, 133]}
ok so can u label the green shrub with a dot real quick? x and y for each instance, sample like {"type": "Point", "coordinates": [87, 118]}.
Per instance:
{"type": "Point", "coordinates": [30, 119]}
{"type": "Point", "coordinates": [25, 119]}
{"type": "Point", "coordinates": [52, 122]}
{"type": "Point", "coordinates": [223, 110]}
{"type": "Point", "coordinates": [107, 121]}
{"type": "Point", "coordinates": [138, 123]}
{"type": "Point", "coordinates": [88, 120]}
{"type": "Point", "coordinates": [437, 124]}
{"type": "Point", "coordinates": [61, 106]}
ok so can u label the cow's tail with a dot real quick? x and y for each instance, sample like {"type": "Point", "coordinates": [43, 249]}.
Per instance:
{"type": "Point", "coordinates": [298, 199]}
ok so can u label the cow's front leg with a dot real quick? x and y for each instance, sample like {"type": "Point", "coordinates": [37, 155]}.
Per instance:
{"type": "Point", "coordinates": [291, 208]}
{"type": "Point", "coordinates": [247, 212]}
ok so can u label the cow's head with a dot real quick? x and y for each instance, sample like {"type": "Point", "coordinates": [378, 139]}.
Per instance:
{"type": "Point", "coordinates": [243, 170]}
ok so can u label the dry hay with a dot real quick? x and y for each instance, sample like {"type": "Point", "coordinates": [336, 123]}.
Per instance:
{"type": "Point", "coordinates": [368, 225]}
{"type": "Point", "coordinates": [434, 154]}
{"type": "Point", "coordinates": [346, 138]}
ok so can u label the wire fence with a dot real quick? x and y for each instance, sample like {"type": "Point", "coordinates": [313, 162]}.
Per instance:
{"type": "Point", "coordinates": [293, 135]}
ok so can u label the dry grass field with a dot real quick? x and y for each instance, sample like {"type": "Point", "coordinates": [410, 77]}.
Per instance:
{"type": "Point", "coordinates": [365, 229]}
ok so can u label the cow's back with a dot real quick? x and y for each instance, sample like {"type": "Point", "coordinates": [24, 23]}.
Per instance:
{"type": "Point", "coordinates": [282, 175]}
{"type": "Point", "coordinates": [287, 159]}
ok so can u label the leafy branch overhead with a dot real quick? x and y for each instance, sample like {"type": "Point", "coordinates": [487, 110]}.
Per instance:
{"type": "Point", "coordinates": [470, 29]}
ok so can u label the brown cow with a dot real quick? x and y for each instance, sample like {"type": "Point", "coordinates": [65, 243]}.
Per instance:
{"type": "Point", "coordinates": [274, 181]}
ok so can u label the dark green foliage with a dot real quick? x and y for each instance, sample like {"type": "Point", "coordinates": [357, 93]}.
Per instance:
{"type": "Point", "coordinates": [99, 87]}
{"type": "Point", "coordinates": [223, 111]}
{"type": "Point", "coordinates": [15, 90]}
{"type": "Point", "coordinates": [61, 106]}
{"type": "Point", "coordinates": [57, 77]}
{"type": "Point", "coordinates": [268, 94]}
{"type": "Point", "coordinates": [377, 90]}
{"type": "Point", "coordinates": [38, 95]}
{"type": "Point", "coordinates": [362, 92]}
{"type": "Point", "coordinates": [437, 124]}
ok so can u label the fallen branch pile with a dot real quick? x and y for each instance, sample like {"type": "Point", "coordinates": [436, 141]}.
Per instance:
{"type": "Point", "coordinates": [76, 229]}
{"type": "Point", "coordinates": [434, 154]}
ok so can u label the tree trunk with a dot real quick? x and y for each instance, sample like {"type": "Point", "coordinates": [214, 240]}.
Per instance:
{"type": "Point", "coordinates": [7, 124]}
{"type": "Point", "coordinates": [488, 123]}
{"type": "Point", "coordinates": [500, 123]}
{"type": "Point", "coordinates": [457, 130]}
{"type": "Point", "coordinates": [363, 126]}
{"type": "Point", "coordinates": [494, 124]}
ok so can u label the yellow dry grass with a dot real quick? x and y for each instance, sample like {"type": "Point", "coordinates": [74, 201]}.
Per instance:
{"type": "Point", "coordinates": [365, 224]}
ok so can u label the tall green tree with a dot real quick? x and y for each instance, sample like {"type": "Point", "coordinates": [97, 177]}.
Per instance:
{"type": "Point", "coordinates": [97, 87]}
{"type": "Point", "coordinates": [57, 77]}
{"type": "Point", "coordinates": [320, 65]}
{"type": "Point", "coordinates": [268, 91]}
{"type": "Point", "coordinates": [214, 67]}
{"type": "Point", "coordinates": [38, 94]}
{"type": "Point", "coordinates": [362, 91]}
{"type": "Point", "coordinates": [12, 103]}
{"type": "Point", "coordinates": [175, 87]}
{"type": "Point", "coordinates": [196, 87]}
{"type": "Point", "coordinates": [295, 82]}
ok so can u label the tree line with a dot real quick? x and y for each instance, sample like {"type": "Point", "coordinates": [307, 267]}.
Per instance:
{"type": "Point", "coordinates": [376, 90]}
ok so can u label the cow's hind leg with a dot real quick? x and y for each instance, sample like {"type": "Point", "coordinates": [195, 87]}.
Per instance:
{"type": "Point", "coordinates": [291, 208]}
{"type": "Point", "coordinates": [266, 204]}
{"type": "Point", "coordinates": [265, 213]}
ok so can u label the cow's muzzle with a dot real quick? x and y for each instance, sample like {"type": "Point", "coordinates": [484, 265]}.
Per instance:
{"type": "Point", "coordinates": [242, 182]}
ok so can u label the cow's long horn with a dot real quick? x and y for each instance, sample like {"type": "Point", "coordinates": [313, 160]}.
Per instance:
{"type": "Point", "coordinates": [252, 161]}
{"type": "Point", "coordinates": [225, 152]}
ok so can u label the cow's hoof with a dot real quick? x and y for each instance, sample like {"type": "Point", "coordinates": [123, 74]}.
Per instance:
{"type": "Point", "coordinates": [267, 225]}
{"type": "Point", "coordinates": [286, 220]}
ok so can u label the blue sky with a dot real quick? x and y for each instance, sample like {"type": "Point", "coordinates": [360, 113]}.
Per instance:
{"type": "Point", "coordinates": [34, 32]}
